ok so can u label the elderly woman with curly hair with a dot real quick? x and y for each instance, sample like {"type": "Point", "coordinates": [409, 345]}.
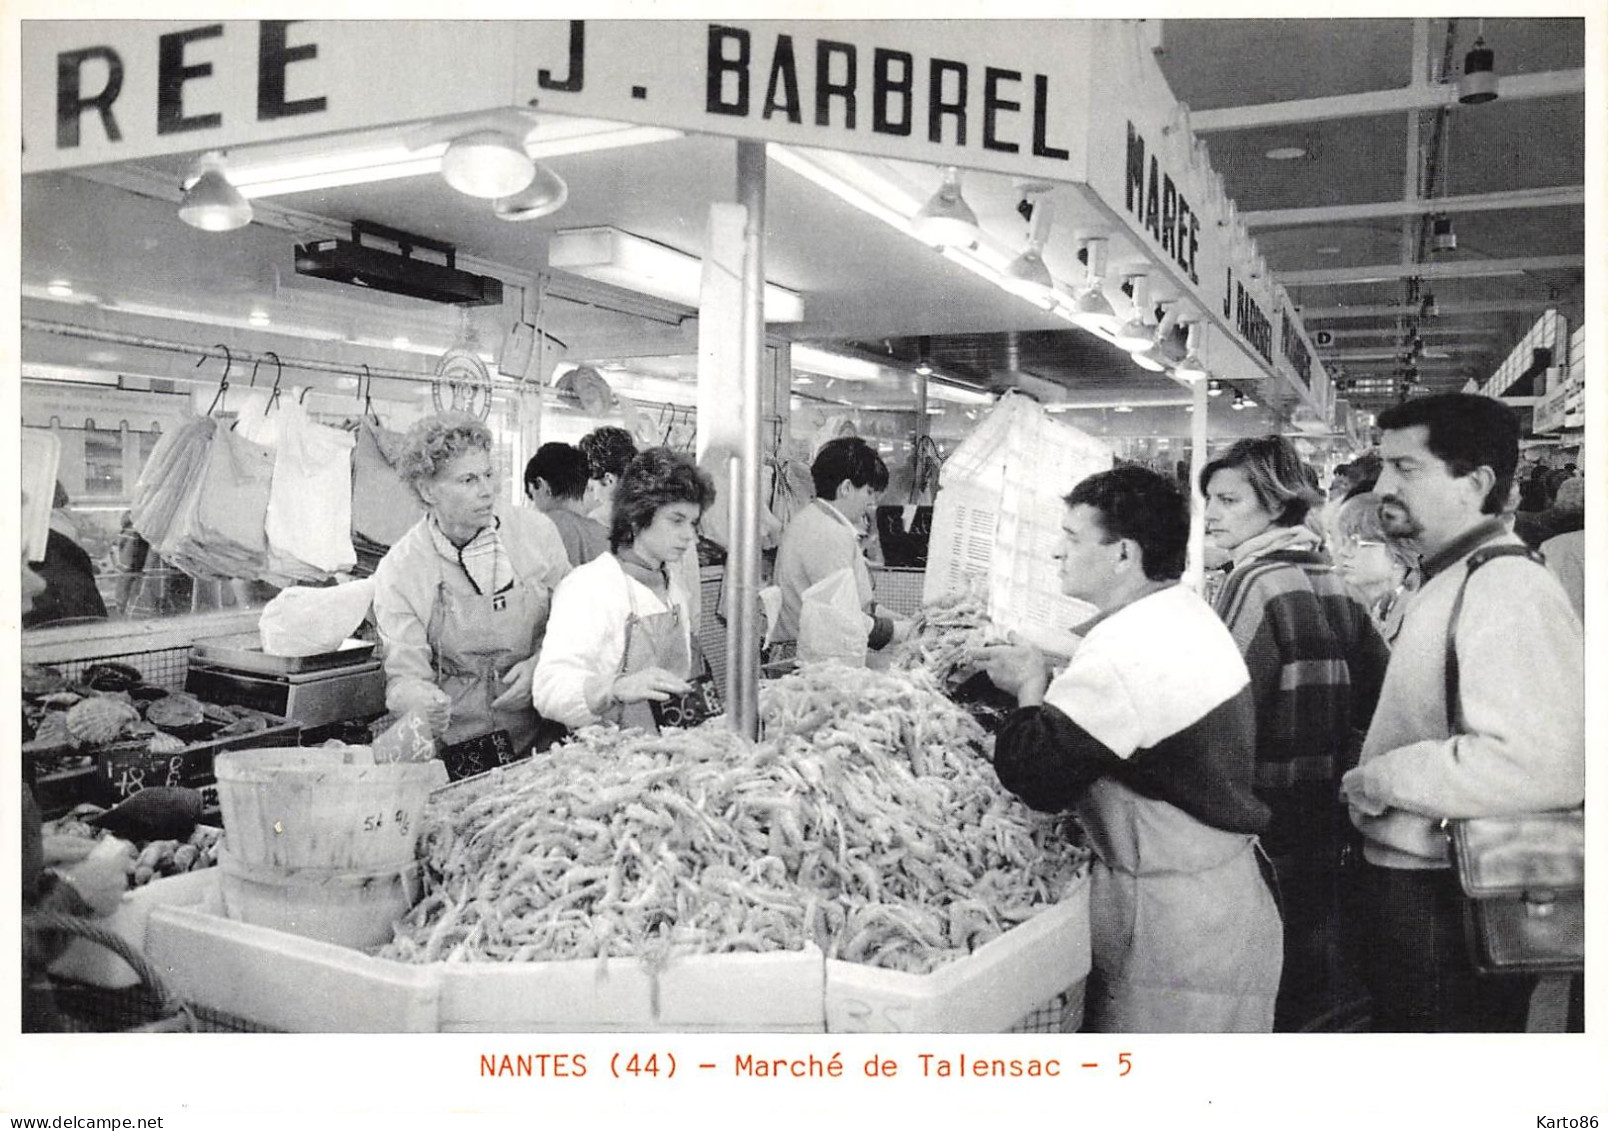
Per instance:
{"type": "Point", "coordinates": [462, 599]}
{"type": "Point", "coordinates": [621, 635]}
{"type": "Point", "coordinates": [1382, 571]}
{"type": "Point", "coordinates": [1316, 663]}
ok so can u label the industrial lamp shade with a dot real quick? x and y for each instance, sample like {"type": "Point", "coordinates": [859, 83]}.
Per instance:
{"type": "Point", "coordinates": [1479, 82]}
{"type": "Point", "coordinates": [545, 195]}
{"type": "Point", "coordinates": [211, 203]}
{"type": "Point", "coordinates": [946, 220]}
{"type": "Point", "coordinates": [1443, 238]}
{"type": "Point", "coordinates": [1026, 275]}
{"type": "Point", "coordinates": [488, 164]}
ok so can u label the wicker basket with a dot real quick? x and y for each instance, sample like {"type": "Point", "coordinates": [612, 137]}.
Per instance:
{"type": "Point", "coordinates": [147, 1007]}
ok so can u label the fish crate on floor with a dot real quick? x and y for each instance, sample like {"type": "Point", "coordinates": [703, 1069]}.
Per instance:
{"type": "Point", "coordinates": [1006, 984]}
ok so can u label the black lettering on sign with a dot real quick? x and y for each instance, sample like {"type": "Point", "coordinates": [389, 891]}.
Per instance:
{"type": "Point", "coordinates": [826, 89]}
{"type": "Point", "coordinates": [577, 63]}
{"type": "Point", "coordinates": [1041, 100]}
{"type": "Point", "coordinates": [70, 103]}
{"type": "Point", "coordinates": [1153, 202]}
{"type": "Point", "coordinates": [884, 87]}
{"type": "Point", "coordinates": [172, 74]}
{"type": "Point", "coordinates": [993, 103]}
{"type": "Point", "coordinates": [939, 107]}
{"type": "Point", "coordinates": [273, 57]}
{"type": "Point", "coordinates": [784, 74]}
{"type": "Point", "coordinates": [1228, 294]}
{"type": "Point", "coordinates": [1134, 180]}
{"type": "Point", "coordinates": [716, 101]}
{"type": "Point", "coordinates": [1295, 350]}
{"type": "Point", "coordinates": [1169, 213]}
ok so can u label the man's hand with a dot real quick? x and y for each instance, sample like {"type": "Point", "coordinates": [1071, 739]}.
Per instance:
{"type": "Point", "coordinates": [1354, 790]}
{"type": "Point", "coordinates": [657, 684]}
{"type": "Point", "coordinates": [1015, 667]}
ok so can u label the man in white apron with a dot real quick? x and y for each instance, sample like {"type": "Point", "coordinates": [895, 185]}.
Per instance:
{"type": "Point", "coordinates": [1148, 737]}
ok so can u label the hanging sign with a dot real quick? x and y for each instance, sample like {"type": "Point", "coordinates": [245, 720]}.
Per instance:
{"type": "Point", "coordinates": [117, 90]}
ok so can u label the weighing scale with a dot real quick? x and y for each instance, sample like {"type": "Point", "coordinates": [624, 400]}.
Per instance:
{"type": "Point", "coordinates": [310, 691]}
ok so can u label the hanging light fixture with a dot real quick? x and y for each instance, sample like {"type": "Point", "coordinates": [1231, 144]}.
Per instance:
{"type": "Point", "coordinates": [1091, 309]}
{"type": "Point", "coordinates": [488, 164]}
{"type": "Point", "coordinates": [1191, 368]}
{"type": "Point", "coordinates": [1136, 334]}
{"type": "Point", "coordinates": [924, 349]}
{"type": "Point", "coordinates": [1214, 388]}
{"type": "Point", "coordinates": [545, 195]}
{"type": "Point", "coordinates": [1026, 275]}
{"type": "Point", "coordinates": [1239, 400]}
{"type": "Point", "coordinates": [1165, 349]}
{"type": "Point", "coordinates": [946, 220]}
{"type": "Point", "coordinates": [210, 202]}
{"type": "Point", "coordinates": [1479, 81]}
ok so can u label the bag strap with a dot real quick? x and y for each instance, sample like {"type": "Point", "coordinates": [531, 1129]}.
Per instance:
{"type": "Point", "coordinates": [1475, 560]}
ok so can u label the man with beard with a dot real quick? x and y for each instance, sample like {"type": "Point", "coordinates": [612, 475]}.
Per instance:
{"type": "Point", "coordinates": [1513, 742]}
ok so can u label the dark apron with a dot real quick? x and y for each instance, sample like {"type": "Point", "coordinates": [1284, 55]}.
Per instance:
{"type": "Point", "coordinates": [474, 639]}
{"type": "Point", "coordinates": [656, 640]}
{"type": "Point", "coordinates": [1185, 933]}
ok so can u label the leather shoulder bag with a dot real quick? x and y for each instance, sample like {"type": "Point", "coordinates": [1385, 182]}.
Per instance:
{"type": "Point", "coordinates": [1523, 876]}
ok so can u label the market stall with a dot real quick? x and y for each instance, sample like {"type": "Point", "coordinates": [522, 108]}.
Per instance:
{"type": "Point", "coordinates": [228, 398]}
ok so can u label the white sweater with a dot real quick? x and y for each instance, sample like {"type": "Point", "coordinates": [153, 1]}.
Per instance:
{"type": "Point", "coordinates": [585, 638]}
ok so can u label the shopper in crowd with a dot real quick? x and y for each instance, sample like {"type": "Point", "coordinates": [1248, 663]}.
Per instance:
{"type": "Point", "coordinates": [1566, 558]}
{"type": "Point", "coordinates": [608, 451]}
{"type": "Point", "coordinates": [461, 601]}
{"type": "Point", "coordinates": [1147, 735]}
{"type": "Point", "coordinates": [556, 479]}
{"type": "Point", "coordinates": [1382, 571]}
{"type": "Point", "coordinates": [1316, 662]}
{"type": "Point", "coordinates": [1566, 513]}
{"type": "Point", "coordinates": [1513, 741]}
{"type": "Point", "coordinates": [621, 635]}
{"type": "Point", "coordinates": [824, 537]}
{"type": "Point", "coordinates": [89, 885]}
{"type": "Point", "coordinates": [70, 592]}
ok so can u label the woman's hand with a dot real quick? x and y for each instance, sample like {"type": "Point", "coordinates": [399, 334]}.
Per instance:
{"type": "Point", "coordinates": [657, 684]}
{"type": "Point", "coordinates": [431, 702]}
{"type": "Point", "coordinates": [518, 679]}
{"type": "Point", "coordinates": [1017, 668]}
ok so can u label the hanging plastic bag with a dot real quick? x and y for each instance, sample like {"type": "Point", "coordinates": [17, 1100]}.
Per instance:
{"type": "Point", "coordinates": [307, 621]}
{"type": "Point", "coordinates": [831, 625]}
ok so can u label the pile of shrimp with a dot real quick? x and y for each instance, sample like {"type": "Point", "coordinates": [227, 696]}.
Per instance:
{"type": "Point", "coordinates": [867, 821]}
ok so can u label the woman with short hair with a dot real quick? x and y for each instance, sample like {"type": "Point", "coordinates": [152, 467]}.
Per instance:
{"type": "Point", "coordinates": [1316, 664]}
{"type": "Point", "coordinates": [621, 635]}
{"type": "Point", "coordinates": [461, 601]}
{"type": "Point", "coordinates": [1381, 570]}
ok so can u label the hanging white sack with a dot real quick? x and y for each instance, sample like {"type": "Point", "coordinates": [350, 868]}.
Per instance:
{"type": "Point", "coordinates": [831, 624]}
{"type": "Point", "coordinates": [310, 503]}
{"type": "Point", "coordinates": [308, 621]}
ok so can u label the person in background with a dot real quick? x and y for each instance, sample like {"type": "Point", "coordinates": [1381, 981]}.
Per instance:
{"type": "Point", "coordinates": [556, 479]}
{"type": "Point", "coordinates": [620, 635]}
{"type": "Point", "coordinates": [461, 601]}
{"type": "Point", "coordinates": [1379, 569]}
{"type": "Point", "coordinates": [1147, 736]}
{"type": "Point", "coordinates": [1565, 514]}
{"type": "Point", "coordinates": [824, 537]}
{"type": "Point", "coordinates": [1316, 663]}
{"type": "Point", "coordinates": [70, 592]}
{"type": "Point", "coordinates": [608, 450]}
{"type": "Point", "coordinates": [87, 886]}
{"type": "Point", "coordinates": [1566, 558]}
{"type": "Point", "coordinates": [1514, 740]}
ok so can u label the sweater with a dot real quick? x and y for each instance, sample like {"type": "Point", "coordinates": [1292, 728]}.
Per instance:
{"type": "Point", "coordinates": [1521, 743]}
{"type": "Point", "coordinates": [1172, 722]}
{"type": "Point", "coordinates": [1316, 663]}
{"type": "Point", "coordinates": [407, 579]}
{"type": "Point", "coordinates": [585, 639]}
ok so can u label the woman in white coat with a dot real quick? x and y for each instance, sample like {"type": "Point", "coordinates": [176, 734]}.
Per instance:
{"type": "Point", "coordinates": [621, 634]}
{"type": "Point", "coordinates": [461, 601]}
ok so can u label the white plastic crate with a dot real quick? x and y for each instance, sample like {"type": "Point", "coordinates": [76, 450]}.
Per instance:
{"type": "Point", "coordinates": [997, 519]}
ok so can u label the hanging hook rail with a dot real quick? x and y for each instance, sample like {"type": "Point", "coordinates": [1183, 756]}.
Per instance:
{"type": "Point", "coordinates": [223, 383]}
{"type": "Point", "coordinates": [368, 387]}
{"type": "Point", "coordinates": [279, 375]}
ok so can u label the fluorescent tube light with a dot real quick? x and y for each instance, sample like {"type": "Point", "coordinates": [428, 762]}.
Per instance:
{"type": "Point", "coordinates": [957, 394]}
{"type": "Point", "coordinates": [625, 260]}
{"type": "Point", "coordinates": [813, 360]}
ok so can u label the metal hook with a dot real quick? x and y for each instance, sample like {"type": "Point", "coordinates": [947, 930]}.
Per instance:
{"type": "Point", "coordinates": [279, 375]}
{"type": "Point", "coordinates": [223, 383]}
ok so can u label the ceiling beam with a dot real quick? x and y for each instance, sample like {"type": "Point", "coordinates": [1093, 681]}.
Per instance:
{"type": "Point", "coordinates": [1456, 269]}
{"type": "Point", "coordinates": [1395, 332]}
{"type": "Point", "coordinates": [1327, 356]}
{"type": "Point", "coordinates": [1310, 314]}
{"type": "Point", "coordinates": [1544, 84]}
{"type": "Point", "coordinates": [1556, 197]}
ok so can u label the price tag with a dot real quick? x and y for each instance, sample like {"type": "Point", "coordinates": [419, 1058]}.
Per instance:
{"type": "Point", "coordinates": [127, 771]}
{"type": "Point", "coordinates": [477, 755]}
